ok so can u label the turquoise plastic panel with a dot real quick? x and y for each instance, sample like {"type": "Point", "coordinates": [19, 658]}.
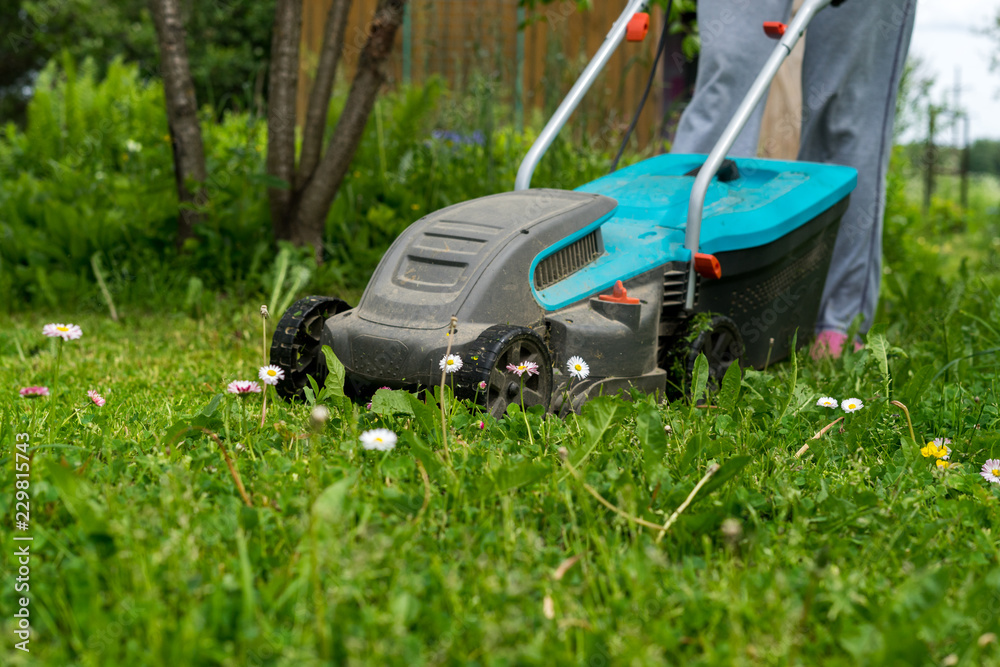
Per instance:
{"type": "Point", "coordinates": [770, 199]}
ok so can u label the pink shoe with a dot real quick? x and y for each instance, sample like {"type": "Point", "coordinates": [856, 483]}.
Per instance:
{"type": "Point", "coordinates": [830, 345]}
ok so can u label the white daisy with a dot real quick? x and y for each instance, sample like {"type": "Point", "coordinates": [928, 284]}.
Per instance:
{"type": "Point", "coordinates": [851, 404]}
{"type": "Point", "coordinates": [991, 471]}
{"type": "Point", "coordinates": [380, 439]}
{"type": "Point", "coordinates": [827, 402]}
{"type": "Point", "coordinates": [450, 363]}
{"type": "Point", "coordinates": [271, 374]}
{"type": "Point", "coordinates": [578, 368]}
{"type": "Point", "coordinates": [64, 331]}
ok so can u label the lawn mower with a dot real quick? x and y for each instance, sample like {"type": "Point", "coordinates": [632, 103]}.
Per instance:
{"type": "Point", "coordinates": [637, 272]}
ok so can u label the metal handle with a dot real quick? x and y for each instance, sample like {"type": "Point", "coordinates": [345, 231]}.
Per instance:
{"type": "Point", "coordinates": [576, 93]}
{"type": "Point", "coordinates": [696, 204]}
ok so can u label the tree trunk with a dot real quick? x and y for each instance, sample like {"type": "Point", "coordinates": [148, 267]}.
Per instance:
{"type": "Point", "coordinates": [283, 83]}
{"type": "Point", "coordinates": [182, 114]}
{"type": "Point", "coordinates": [318, 192]}
{"type": "Point", "coordinates": [319, 98]}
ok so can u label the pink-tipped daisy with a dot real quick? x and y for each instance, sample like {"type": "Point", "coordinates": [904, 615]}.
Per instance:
{"type": "Point", "coordinates": [450, 363]}
{"type": "Point", "coordinates": [64, 331]}
{"type": "Point", "coordinates": [529, 367]}
{"type": "Point", "coordinates": [96, 398]}
{"type": "Point", "coordinates": [578, 368]}
{"type": "Point", "coordinates": [851, 404]}
{"type": "Point", "coordinates": [271, 374]}
{"type": "Point", "coordinates": [243, 387]}
{"type": "Point", "coordinates": [34, 392]}
{"type": "Point", "coordinates": [482, 385]}
{"type": "Point", "coordinates": [379, 439]}
{"type": "Point", "coordinates": [827, 402]}
{"type": "Point", "coordinates": [991, 471]}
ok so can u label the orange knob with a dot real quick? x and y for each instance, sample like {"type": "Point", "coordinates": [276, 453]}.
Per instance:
{"type": "Point", "coordinates": [707, 266]}
{"type": "Point", "coordinates": [774, 29]}
{"type": "Point", "coordinates": [638, 27]}
{"type": "Point", "coordinates": [618, 295]}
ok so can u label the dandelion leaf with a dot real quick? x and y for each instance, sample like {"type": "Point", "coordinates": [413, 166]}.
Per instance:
{"type": "Point", "coordinates": [730, 391]}
{"type": "Point", "coordinates": [426, 415]}
{"type": "Point", "coordinates": [387, 403]}
{"type": "Point", "coordinates": [699, 379]}
{"type": "Point", "coordinates": [597, 420]}
{"type": "Point", "coordinates": [209, 417]}
{"type": "Point", "coordinates": [691, 453]}
{"type": "Point", "coordinates": [879, 348]}
{"type": "Point", "coordinates": [337, 373]}
{"type": "Point", "coordinates": [649, 429]}
{"type": "Point", "coordinates": [213, 405]}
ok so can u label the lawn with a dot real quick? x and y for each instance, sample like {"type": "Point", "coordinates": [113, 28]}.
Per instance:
{"type": "Point", "coordinates": [505, 549]}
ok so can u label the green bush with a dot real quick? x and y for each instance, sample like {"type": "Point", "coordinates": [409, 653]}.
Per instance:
{"type": "Point", "coordinates": [90, 179]}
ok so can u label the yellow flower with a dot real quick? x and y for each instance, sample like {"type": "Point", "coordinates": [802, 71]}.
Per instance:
{"type": "Point", "coordinates": [944, 464]}
{"type": "Point", "coordinates": [941, 451]}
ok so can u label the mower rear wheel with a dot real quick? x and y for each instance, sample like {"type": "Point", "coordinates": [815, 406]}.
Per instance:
{"type": "Point", "coordinates": [720, 341]}
{"type": "Point", "coordinates": [487, 360]}
{"type": "Point", "coordinates": [296, 346]}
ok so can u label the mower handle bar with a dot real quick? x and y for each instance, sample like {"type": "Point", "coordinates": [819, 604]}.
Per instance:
{"type": "Point", "coordinates": [696, 203]}
{"type": "Point", "coordinates": [576, 93]}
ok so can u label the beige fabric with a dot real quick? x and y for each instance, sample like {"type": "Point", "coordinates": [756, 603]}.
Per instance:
{"type": "Point", "coordinates": [782, 123]}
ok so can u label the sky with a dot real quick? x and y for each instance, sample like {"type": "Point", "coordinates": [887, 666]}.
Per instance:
{"type": "Point", "coordinates": [945, 37]}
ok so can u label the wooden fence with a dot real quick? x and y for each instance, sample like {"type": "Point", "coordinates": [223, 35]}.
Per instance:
{"type": "Point", "coordinates": [530, 58]}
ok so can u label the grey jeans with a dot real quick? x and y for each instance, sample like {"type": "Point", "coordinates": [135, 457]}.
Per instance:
{"type": "Point", "coordinates": [853, 62]}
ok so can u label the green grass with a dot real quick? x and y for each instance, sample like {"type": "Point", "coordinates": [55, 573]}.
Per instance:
{"type": "Point", "coordinates": [861, 551]}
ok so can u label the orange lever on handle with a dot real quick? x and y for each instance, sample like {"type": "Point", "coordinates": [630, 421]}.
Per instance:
{"type": "Point", "coordinates": [774, 29]}
{"type": "Point", "coordinates": [638, 27]}
{"type": "Point", "coordinates": [707, 266]}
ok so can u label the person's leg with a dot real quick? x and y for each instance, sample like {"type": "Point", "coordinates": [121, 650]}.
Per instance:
{"type": "Point", "coordinates": [854, 59]}
{"type": "Point", "coordinates": [733, 51]}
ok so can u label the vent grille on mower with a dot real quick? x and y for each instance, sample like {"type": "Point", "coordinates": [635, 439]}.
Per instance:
{"type": "Point", "coordinates": [563, 263]}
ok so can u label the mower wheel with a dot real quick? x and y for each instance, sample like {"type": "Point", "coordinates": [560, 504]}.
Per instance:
{"type": "Point", "coordinates": [486, 362]}
{"type": "Point", "coordinates": [720, 341]}
{"type": "Point", "coordinates": [296, 346]}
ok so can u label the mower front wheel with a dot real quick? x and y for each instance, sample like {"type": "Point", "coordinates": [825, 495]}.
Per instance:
{"type": "Point", "coordinates": [296, 346]}
{"type": "Point", "coordinates": [485, 376]}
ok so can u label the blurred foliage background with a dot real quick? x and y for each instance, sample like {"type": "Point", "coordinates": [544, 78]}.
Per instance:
{"type": "Point", "coordinates": [87, 193]}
